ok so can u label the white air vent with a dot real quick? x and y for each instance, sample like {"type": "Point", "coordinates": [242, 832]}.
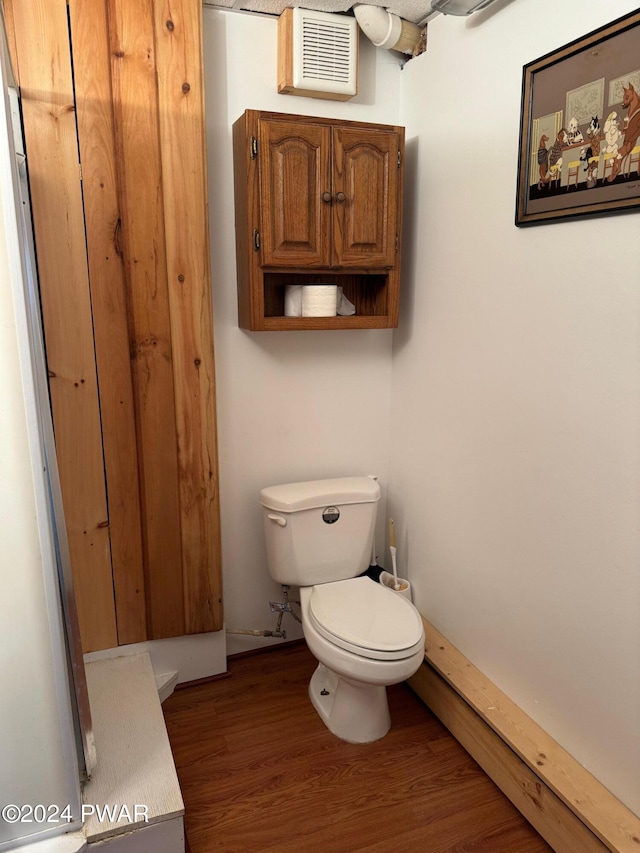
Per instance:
{"type": "Point", "coordinates": [317, 54]}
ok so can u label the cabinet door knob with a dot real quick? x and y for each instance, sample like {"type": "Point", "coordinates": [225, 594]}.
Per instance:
{"type": "Point", "coordinates": [340, 196]}
{"type": "Point", "coordinates": [326, 197]}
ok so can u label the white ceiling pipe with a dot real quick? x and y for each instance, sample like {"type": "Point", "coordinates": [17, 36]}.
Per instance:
{"type": "Point", "coordinates": [454, 7]}
{"type": "Point", "coordinates": [385, 29]}
{"type": "Point", "coordinates": [458, 7]}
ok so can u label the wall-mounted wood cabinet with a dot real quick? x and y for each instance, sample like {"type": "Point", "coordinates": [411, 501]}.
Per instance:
{"type": "Point", "coordinates": [317, 201]}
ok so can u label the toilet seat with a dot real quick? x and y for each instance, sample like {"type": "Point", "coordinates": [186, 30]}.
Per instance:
{"type": "Point", "coordinates": [365, 618]}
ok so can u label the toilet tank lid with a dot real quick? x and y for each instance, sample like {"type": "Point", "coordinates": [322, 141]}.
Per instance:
{"type": "Point", "coordinates": [293, 497]}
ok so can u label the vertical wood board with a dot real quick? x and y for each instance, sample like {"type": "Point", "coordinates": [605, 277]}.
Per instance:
{"type": "Point", "coordinates": [178, 31]}
{"type": "Point", "coordinates": [92, 77]}
{"type": "Point", "coordinates": [135, 98]}
{"type": "Point", "coordinates": [42, 38]}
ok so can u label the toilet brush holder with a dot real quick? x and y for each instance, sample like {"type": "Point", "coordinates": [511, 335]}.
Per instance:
{"type": "Point", "coordinates": [404, 587]}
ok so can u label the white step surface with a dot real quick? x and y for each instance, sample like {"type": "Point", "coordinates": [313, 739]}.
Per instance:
{"type": "Point", "coordinates": [135, 767]}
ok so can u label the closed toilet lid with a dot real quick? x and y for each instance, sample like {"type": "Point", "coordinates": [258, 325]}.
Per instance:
{"type": "Point", "coordinates": [367, 618]}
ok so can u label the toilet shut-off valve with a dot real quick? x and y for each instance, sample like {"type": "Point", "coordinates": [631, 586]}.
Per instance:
{"type": "Point", "coordinates": [282, 607]}
{"type": "Point", "coordinates": [279, 607]}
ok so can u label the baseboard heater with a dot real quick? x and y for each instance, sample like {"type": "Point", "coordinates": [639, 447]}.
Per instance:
{"type": "Point", "coordinates": [568, 807]}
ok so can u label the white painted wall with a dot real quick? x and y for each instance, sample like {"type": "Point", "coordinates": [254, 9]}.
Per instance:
{"type": "Point", "coordinates": [291, 405]}
{"type": "Point", "coordinates": [515, 470]}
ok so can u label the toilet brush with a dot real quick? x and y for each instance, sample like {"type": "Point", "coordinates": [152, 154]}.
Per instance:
{"type": "Point", "coordinates": [392, 548]}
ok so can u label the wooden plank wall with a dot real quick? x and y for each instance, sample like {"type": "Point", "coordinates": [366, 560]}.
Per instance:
{"type": "Point", "coordinates": [144, 283]}
{"type": "Point", "coordinates": [41, 39]}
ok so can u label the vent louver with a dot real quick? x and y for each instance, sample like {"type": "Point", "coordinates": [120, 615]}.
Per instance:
{"type": "Point", "coordinates": [326, 51]}
{"type": "Point", "coordinates": [320, 59]}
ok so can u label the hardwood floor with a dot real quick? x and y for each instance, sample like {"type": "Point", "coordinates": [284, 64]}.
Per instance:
{"type": "Point", "coordinates": [260, 772]}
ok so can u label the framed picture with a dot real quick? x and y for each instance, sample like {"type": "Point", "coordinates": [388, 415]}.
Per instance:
{"type": "Point", "coordinates": [580, 127]}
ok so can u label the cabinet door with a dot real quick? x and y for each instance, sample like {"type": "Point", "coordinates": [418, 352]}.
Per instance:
{"type": "Point", "coordinates": [295, 193]}
{"type": "Point", "coordinates": [365, 199]}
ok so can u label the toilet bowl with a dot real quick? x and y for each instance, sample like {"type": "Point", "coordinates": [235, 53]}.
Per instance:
{"type": "Point", "coordinates": [319, 537]}
{"type": "Point", "coordinates": [364, 638]}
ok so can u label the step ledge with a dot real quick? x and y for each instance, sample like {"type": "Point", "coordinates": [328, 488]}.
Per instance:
{"type": "Point", "coordinates": [135, 771]}
{"type": "Point", "coordinates": [611, 824]}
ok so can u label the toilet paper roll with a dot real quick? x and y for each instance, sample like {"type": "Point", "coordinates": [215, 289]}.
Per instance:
{"type": "Point", "coordinates": [319, 300]}
{"type": "Point", "coordinates": [293, 300]}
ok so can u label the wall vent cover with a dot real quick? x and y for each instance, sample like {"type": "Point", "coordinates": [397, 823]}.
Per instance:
{"type": "Point", "coordinates": [318, 54]}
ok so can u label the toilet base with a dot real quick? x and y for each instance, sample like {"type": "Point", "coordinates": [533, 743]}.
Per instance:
{"type": "Point", "coordinates": [355, 712]}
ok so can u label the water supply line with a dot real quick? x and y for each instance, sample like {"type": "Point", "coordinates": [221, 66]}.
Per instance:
{"type": "Point", "coordinates": [256, 632]}
{"type": "Point", "coordinates": [279, 607]}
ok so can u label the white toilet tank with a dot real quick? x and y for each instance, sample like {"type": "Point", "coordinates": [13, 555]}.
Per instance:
{"type": "Point", "coordinates": [319, 531]}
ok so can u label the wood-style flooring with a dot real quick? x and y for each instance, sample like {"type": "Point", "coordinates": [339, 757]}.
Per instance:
{"type": "Point", "coordinates": [260, 773]}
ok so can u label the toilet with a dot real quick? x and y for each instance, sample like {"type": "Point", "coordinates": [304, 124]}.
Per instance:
{"type": "Point", "coordinates": [319, 537]}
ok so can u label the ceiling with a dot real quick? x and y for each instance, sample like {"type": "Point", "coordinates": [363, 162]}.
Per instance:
{"type": "Point", "coordinates": [411, 10]}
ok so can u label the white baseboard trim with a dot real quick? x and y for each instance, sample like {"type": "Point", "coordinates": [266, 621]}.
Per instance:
{"type": "Point", "coordinates": [165, 837]}
{"type": "Point", "coordinates": [193, 656]}
{"type": "Point", "coordinates": [166, 684]}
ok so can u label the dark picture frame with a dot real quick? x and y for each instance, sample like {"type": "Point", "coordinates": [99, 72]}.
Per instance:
{"type": "Point", "coordinates": [579, 152]}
